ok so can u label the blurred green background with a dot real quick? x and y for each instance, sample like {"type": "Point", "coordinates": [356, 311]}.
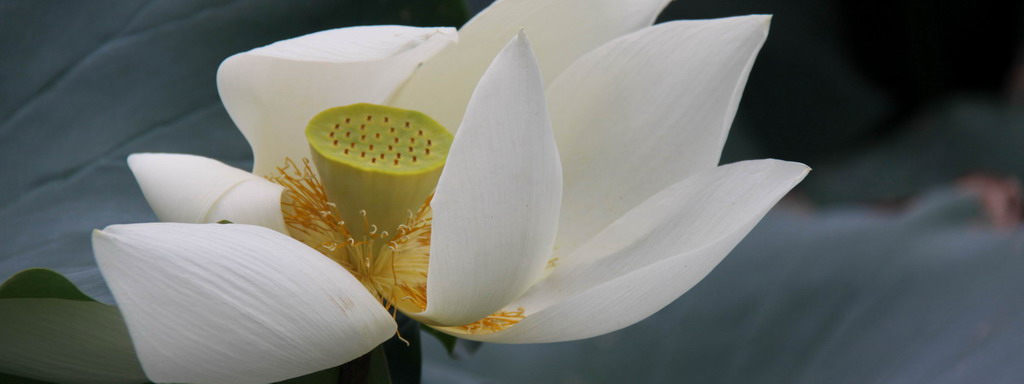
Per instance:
{"type": "Point", "coordinates": [898, 260]}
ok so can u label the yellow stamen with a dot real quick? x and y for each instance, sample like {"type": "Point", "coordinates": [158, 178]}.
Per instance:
{"type": "Point", "coordinates": [310, 217]}
{"type": "Point", "coordinates": [390, 265]}
{"type": "Point", "coordinates": [494, 323]}
{"type": "Point", "coordinates": [354, 201]}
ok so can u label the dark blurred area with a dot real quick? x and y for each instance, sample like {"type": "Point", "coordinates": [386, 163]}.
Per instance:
{"type": "Point", "coordinates": [882, 99]}
{"type": "Point", "coordinates": [896, 261]}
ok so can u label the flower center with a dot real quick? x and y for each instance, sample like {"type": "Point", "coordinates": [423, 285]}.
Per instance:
{"type": "Point", "coordinates": [367, 204]}
{"type": "Point", "coordinates": [391, 265]}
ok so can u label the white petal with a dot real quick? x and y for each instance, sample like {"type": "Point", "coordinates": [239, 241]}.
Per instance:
{"type": "Point", "coordinates": [229, 303]}
{"type": "Point", "coordinates": [496, 205]}
{"type": "Point", "coordinates": [560, 30]}
{"type": "Point", "coordinates": [272, 92]}
{"type": "Point", "coordinates": [644, 111]}
{"type": "Point", "coordinates": [66, 341]}
{"type": "Point", "coordinates": [653, 254]}
{"type": "Point", "coordinates": [196, 189]}
{"type": "Point", "coordinates": [251, 202]}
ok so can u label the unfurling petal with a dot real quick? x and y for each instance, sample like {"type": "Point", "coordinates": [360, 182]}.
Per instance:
{"type": "Point", "coordinates": [644, 111]}
{"type": "Point", "coordinates": [560, 30]}
{"type": "Point", "coordinates": [196, 189]}
{"type": "Point", "coordinates": [272, 92]}
{"type": "Point", "coordinates": [652, 255]}
{"type": "Point", "coordinates": [496, 205]}
{"type": "Point", "coordinates": [227, 303]}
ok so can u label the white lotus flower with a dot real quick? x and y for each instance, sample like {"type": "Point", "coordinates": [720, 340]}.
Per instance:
{"type": "Point", "coordinates": [540, 229]}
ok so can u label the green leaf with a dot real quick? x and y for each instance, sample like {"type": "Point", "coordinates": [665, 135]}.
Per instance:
{"type": "Point", "coordinates": [466, 348]}
{"type": "Point", "coordinates": [371, 368]}
{"type": "Point", "coordinates": [327, 376]}
{"type": "Point", "coordinates": [397, 360]}
{"type": "Point", "coordinates": [379, 372]}
{"type": "Point", "coordinates": [448, 341]}
{"type": "Point", "coordinates": [50, 330]}
{"type": "Point", "coordinates": [457, 348]}
{"type": "Point", "coordinates": [404, 355]}
{"type": "Point", "coordinates": [62, 340]}
{"type": "Point", "coordinates": [10, 379]}
{"type": "Point", "coordinates": [39, 283]}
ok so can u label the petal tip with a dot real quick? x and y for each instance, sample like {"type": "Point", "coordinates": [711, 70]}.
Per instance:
{"type": "Point", "coordinates": [766, 22]}
{"type": "Point", "coordinates": [520, 40]}
{"type": "Point", "coordinates": [145, 159]}
{"type": "Point", "coordinates": [447, 32]}
{"type": "Point", "coordinates": [795, 165]}
{"type": "Point", "coordinates": [97, 234]}
{"type": "Point", "coordinates": [111, 233]}
{"type": "Point", "coordinates": [758, 24]}
{"type": "Point", "coordinates": [798, 170]}
{"type": "Point", "coordinates": [137, 159]}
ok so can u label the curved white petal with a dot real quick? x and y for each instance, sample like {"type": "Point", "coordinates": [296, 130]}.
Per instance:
{"type": "Point", "coordinates": [272, 92]}
{"type": "Point", "coordinates": [646, 110]}
{"type": "Point", "coordinates": [560, 30]}
{"type": "Point", "coordinates": [196, 189]}
{"type": "Point", "coordinates": [250, 202]}
{"type": "Point", "coordinates": [496, 204]}
{"type": "Point", "coordinates": [66, 341]}
{"type": "Point", "coordinates": [652, 255]}
{"type": "Point", "coordinates": [230, 303]}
